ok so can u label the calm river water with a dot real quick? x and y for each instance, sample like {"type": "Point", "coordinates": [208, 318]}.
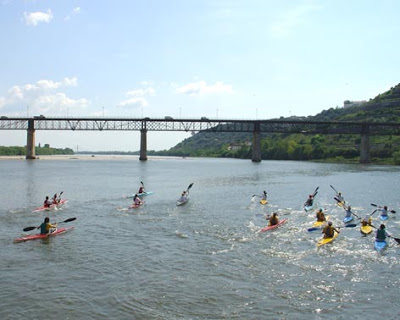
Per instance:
{"type": "Point", "coordinates": [203, 260]}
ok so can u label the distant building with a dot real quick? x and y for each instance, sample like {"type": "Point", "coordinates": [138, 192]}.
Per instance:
{"type": "Point", "coordinates": [348, 103]}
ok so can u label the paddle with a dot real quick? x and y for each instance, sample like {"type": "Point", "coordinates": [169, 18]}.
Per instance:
{"type": "Point", "coordinates": [379, 207]}
{"type": "Point", "coordinates": [352, 225]}
{"type": "Point", "coordinates": [334, 189]}
{"type": "Point", "coordinates": [315, 192]}
{"type": "Point", "coordinates": [65, 221]}
{"type": "Point", "coordinates": [59, 196]}
{"type": "Point", "coordinates": [188, 188]}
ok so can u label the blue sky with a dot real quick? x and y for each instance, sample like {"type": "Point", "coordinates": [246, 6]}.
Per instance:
{"type": "Point", "coordinates": [243, 59]}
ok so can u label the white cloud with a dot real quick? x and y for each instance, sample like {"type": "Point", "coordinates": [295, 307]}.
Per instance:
{"type": "Point", "coordinates": [136, 98]}
{"type": "Point", "coordinates": [43, 97]}
{"type": "Point", "coordinates": [76, 10]}
{"type": "Point", "coordinates": [201, 88]}
{"type": "Point", "coordinates": [291, 20]}
{"type": "Point", "coordinates": [133, 103]}
{"type": "Point", "coordinates": [141, 92]}
{"type": "Point", "coordinates": [34, 18]}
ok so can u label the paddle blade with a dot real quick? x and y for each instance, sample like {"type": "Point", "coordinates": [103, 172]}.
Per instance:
{"type": "Point", "coordinates": [29, 228]}
{"type": "Point", "coordinates": [397, 240]}
{"type": "Point", "coordinates": [190, 185]}
{"type": "Point", "coordinates": [392, 211]}
{"type": "Point", "coordinates": [69, 220]}
{"type": "Point", "coordinates": [351, 225]}
{"type": "Point", "coordinates": [374, 205]}
{"type": "Point", "coordinates": [313, 229]}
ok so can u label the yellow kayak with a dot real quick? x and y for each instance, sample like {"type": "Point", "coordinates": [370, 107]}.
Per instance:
{"type": "Point", "coordinates": [263, 201]}
{"type": "Point", "coordinates": [327, 240]}
{"type": "Point", "coordinates": [366, 229]}
{"type": "Point", "coordinates": [320, 223]}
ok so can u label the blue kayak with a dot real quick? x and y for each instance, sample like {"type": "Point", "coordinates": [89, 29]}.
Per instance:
{"type": "Point", "coordinates": [383, 218]}
{"type": "Point", "coordinates": [308, 208]}
{"type": "Point", "coordinates": [380, 245]}
{"type": "Point", "coordinates": [348, 219]}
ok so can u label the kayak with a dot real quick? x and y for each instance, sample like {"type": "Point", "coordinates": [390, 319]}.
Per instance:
{"type": "Point", "coordinates": [267, 228]}
{"type": "Point", "coordinates": [308, 208]}
{"type": "Point", "coordinates": [180, 203]}
{"type": "Point", "coordinates": [43, 236]}
{"type": "Point", "coordinates": [348, 219]}
{"type": "Point", "coordinates": [380, 245]}
{"type": "Point", "coordinates": [147, 193]}
{"type": "Point", "coordinates": [135, 206]}
{"type": "Point", "coordinates": [383, 218]}
{"type": "Point", "coordinates": [327, 240]}
{"type": "Point", "coordinates": [320, 223]}
{"type": "Point", "coordinates": [263, 201]}
{"type": "Point", "coordinates": [366, 229]}
{"type": "Point", "coordinates": [52, 207]}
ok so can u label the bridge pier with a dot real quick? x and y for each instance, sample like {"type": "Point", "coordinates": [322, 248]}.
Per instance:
{"type": "Point", "coordinates": [256, 154]}
{"type": "Point", "coordinates": [30, 143]}
{"type": "Point", "coordinates": [365, 149]}
{"type": "Point", "coordinates": [143, 145]}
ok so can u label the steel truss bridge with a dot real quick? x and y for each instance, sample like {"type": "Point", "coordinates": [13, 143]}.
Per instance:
{"type": "Point", "coordinates": [365, 129]}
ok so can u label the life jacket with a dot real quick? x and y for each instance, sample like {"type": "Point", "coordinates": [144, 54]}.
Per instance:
{"type": "Point", "coordinates": [320, 216]}
{"type": "Point", "coordinates": [381, 235]}
{"type": "Point", "coordinates": [329, 232]}
{"type": "Point", "coordinates": [43, 228]}
{"type": "Point", "coordinates": [273, 221]}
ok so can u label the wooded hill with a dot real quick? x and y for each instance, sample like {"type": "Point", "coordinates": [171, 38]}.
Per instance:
{"type": "Point", "coordinates": [341, 148]}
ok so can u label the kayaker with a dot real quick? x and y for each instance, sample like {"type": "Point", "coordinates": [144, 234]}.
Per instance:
{"type": "Point", "coordinates": [137, 201]}
{"type": "Point", "coordinates": [381, 233]}
{"type": "Point", "coordinates": [55, 199]}
{"type": "Point", "coordinates": [339, 198]}
{"type": "Point", "coordinates": [47, 203]}
{"type": "Point", "coordinates": [309, 201]}
{"type": "Point", "coordinates": [183, 197]}
{"type": "Point", "coordinates": [367, 220]}
{"type": "Point", "coordinates": [46, 227]}
{"type": "Point", "coordinates": [320, 215]}
{"type": "Point", "coordinates": [348, 212]}
{"type": "Point", "coordinates": [273, 220]}
{"type": "Point", "coordinates": [384, 211]}
{"type": "Point", "coordinates": [264, 195]}
{"type": "Point", "coordinates": [329, 230]}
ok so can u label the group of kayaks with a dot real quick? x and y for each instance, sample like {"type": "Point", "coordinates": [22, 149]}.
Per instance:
{"type": "Point", "coordinates": [365, 228]}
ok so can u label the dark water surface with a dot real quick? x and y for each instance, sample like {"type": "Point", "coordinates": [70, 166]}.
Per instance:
{"type": "Point", "coordinates": [203, 260]}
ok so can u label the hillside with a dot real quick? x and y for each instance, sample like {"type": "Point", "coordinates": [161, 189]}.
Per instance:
{"type": "Point", "coordinates": [384, 149]}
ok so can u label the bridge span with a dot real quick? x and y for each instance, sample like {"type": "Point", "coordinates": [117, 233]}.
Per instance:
{"type": "Point", "coordinates": [256, 127]}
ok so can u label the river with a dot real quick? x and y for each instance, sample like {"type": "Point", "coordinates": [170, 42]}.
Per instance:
{"type": "Point", "coordinates": [203, 260]}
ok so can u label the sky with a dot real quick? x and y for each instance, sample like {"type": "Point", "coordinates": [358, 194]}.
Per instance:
{"type": "Point", "coordinates": [221, 59]}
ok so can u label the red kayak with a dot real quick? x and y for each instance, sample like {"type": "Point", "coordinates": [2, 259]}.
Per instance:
{"type": "Point", "coordinates": [43, 236]}
{"type": "Point", "coordinates": [52, 207]}
{"type": "Point", "coordinates": [267, 228]}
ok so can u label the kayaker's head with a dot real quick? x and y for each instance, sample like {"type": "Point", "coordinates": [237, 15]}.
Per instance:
{"type": "Point", "coordinates": [320, 210]}
{"type": "Point", "coordinates": [46, 220]}
{"type": "Point", "coordinates": [385, 207]}
{"type": "Point", "coordinates": [349, 208]}
{"type": "Point", "coordinates": [274, 214]}
{"type": "Point", "coordinates": [47, 197]}
{"type": "Point", "coordinates": [382, 226]}
{"type": "Point", "coordinates": [310, 195]}
{"type": "Point", "coordinates": [330, 223]}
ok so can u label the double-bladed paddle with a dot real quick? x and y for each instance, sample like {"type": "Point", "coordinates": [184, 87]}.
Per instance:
{"type": "Point", "coordinates": [65, 221]}
{"type": "Point", "coordinates": [352, 225]}
{"type": "Point", "coordinates": [380, 207]}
